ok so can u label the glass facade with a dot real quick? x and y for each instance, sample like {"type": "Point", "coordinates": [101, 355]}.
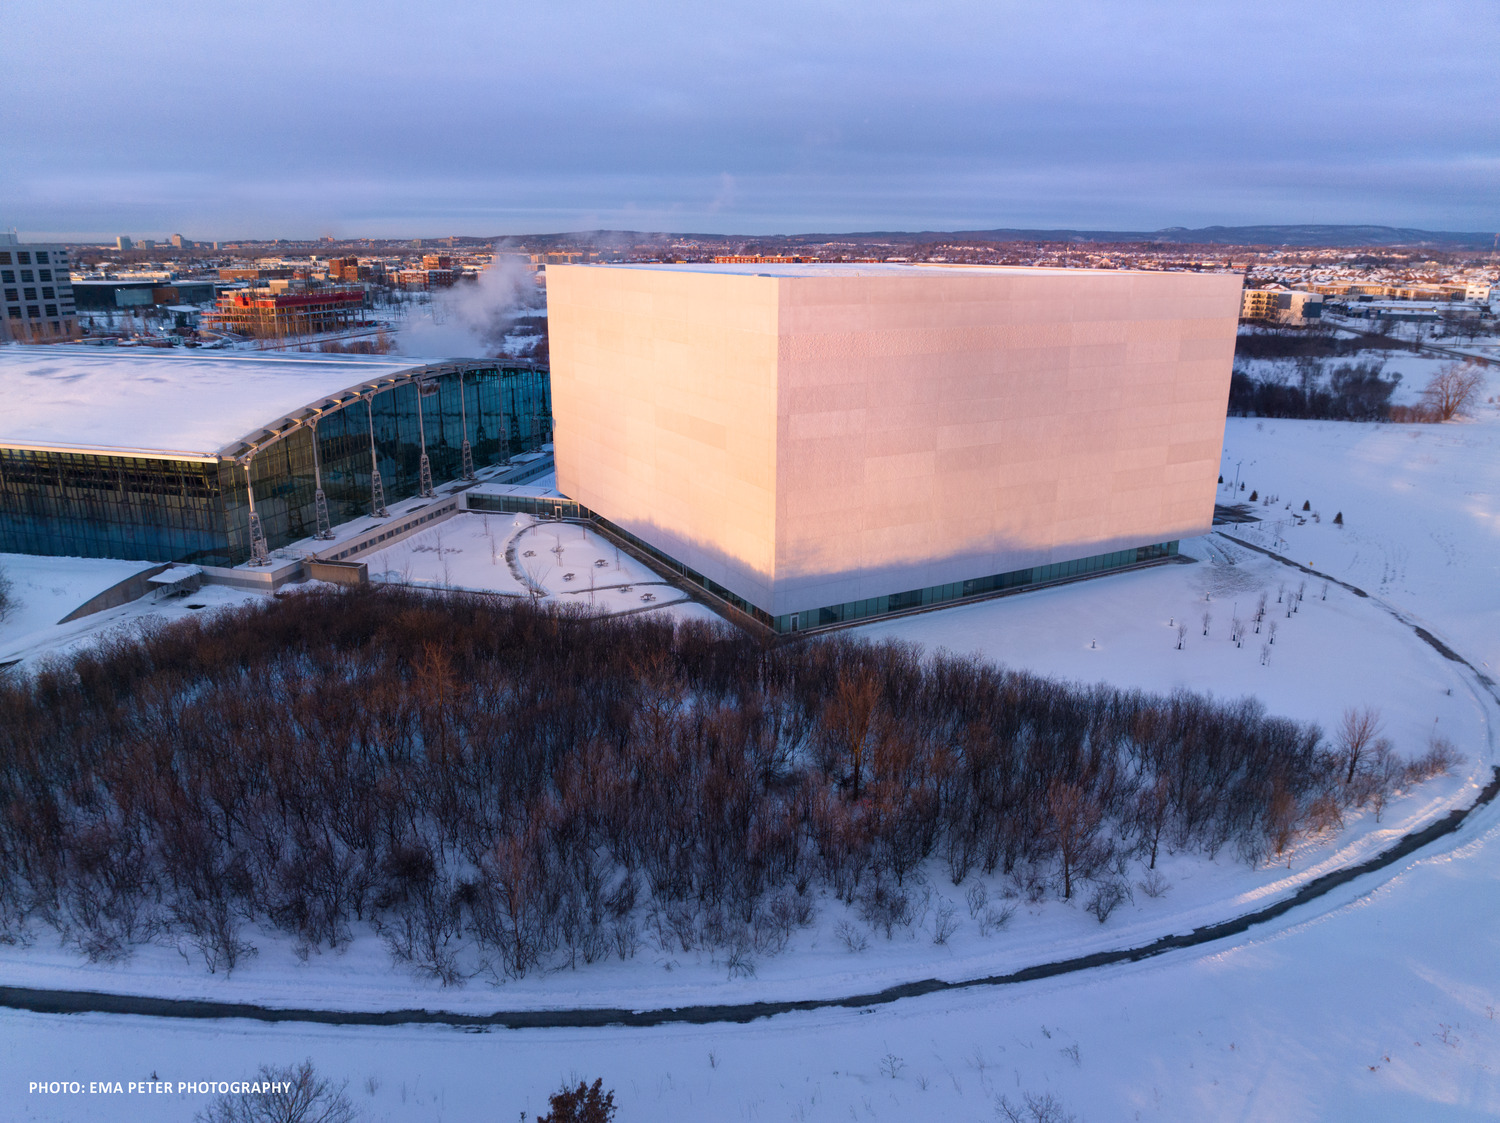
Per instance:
{"type": "Point", "coordinates": [80, 504]}
{"type": "Point", "coordinates": [96, 505]}
{"type": "Point", "coordinates": [837, 613]}
{"type": "Point", "coordinates": [978, 586]}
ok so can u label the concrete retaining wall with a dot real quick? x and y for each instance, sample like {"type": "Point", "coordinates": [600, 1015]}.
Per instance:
{"type": "Point", "coordinates": [132, 588]}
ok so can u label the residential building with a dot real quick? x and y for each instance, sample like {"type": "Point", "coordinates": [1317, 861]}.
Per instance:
{"type": "Point", "coordinates": [1276, 303]}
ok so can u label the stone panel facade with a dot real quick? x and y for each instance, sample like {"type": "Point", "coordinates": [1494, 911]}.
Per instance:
{"type": "Point", "coordinates": [828, 433]}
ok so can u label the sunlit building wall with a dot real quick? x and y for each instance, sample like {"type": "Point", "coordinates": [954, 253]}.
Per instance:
{"type": "Point", "coordinates": [826, 442]}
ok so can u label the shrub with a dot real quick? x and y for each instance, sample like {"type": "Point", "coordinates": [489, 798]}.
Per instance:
{"type": "Point", "coordinates": [1441, 757]}
{"type": "Point", "coordinates": [583, 1104]}
{"type": "Point", "coordinates": [499, 788]}
{"type": "Point", "coordinates": [1107, 896]}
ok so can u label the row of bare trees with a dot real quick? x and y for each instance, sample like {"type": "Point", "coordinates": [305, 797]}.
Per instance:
{"type": "Point", "coordinates": [1356, 392]}
{"type": "Point", "coordinates": [496, 787]}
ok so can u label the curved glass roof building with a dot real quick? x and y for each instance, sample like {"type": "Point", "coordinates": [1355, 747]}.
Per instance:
{"type": "Point", "coordinates": [218, 458]}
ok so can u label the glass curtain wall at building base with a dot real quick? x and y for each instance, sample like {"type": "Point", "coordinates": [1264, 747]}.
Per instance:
{"type": "Point", "coordinates": [550, 508]}
{"type": "Point", "coordinates": [976, 587]}
{"type": "Point", "coordinates": [85, 505]}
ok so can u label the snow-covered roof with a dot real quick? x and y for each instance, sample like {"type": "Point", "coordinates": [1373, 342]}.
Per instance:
{"type": "Point", "coordinates": [850, 269]}
{"type": "Point", "coordinates": [195, 404]}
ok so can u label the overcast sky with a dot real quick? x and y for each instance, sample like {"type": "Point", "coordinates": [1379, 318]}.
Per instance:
{"type": "Point", "coordinates": [262, 118]}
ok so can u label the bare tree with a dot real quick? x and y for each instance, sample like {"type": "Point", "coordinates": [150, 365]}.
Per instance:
{"type": "Point", "coordinates": [1073, 818]}
{"type": "Point", "coordinates": [848, 718]}
{"type": "Point", "coordinates": [1454, 389]}
{"type": "Point", "coordinates": [1045, 1108]}
{"type": "Point", "coordinates": [297, 1095]}
{"type": "Point", "coordinates": [7, 595]}
{"type": "Point", "coordinates": [1356, 736]}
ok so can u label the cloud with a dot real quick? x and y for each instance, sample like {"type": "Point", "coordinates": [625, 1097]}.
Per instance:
{"type": "Point", "coordinates": [476, 118]}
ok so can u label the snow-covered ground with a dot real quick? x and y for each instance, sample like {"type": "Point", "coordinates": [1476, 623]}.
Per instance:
{"type": "Point", "coordinates": [44, 590]}
{"type": "Point", "coordinates": [1415, 369]}
{"type": "Point", "coordinates": [1377, 1002]}
{"type": "Point", "coordinates": [1342, 651]}
{"type": "Point", "coordinates": [1421, 508]}
{"type": "Point", "coordinates": [47, 589]}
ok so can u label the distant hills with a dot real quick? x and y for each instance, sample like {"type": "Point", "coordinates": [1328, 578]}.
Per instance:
{"type": "Point", "coordinates": [1294, 235]}
{"type": "Point", "coordinates": [1235, 236]}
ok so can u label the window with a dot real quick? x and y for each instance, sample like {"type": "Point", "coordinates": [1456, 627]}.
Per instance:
{"type": "Point", "coordinates": [41, 257]}
{"type": "Point", "coordinates": [12, 294]}
{"type": "Point", "coordinates": [31, 294]}
{"type": "Point", "coordinates": [33, 312]}
{"type": "Point", "coordinates": [23, 258]}
{"type": "Point", "coordinates": [26, 275]}
{"type": "Point", "coordinates": [52, 311]}
{"type": "Point", "coordinates": [8, 276]}
{"type": "Point", "coordinates": [15, 313]}
{"type": "Point", "coordinates": [48, 293]}
{"type": "Point", "coordinates": [5, 258]}
{"type": "Point", "coordinates": [46, 274]}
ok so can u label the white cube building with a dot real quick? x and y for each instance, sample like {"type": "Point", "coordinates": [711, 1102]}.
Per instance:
{"type": "Point", "coordinates": [820, 443]}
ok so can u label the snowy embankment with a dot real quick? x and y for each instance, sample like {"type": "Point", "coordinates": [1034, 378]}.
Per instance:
{"type": "Point", "coordinates": [1414, 368]}
{"type": "Point", "coordinates": [46, 589]}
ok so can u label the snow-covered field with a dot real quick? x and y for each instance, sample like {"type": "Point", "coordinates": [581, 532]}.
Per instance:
{"type": "Point", "coordinates": [1377, 1002]}
{"type": "Point", "coordinates": [1421, 508]}
{"type": "Point", "coordinates": [455, 554]}
{"type": "Point", "coordinates": [1336, 650]}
